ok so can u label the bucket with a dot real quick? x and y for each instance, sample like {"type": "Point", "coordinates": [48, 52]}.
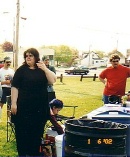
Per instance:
{"type": "Point", "coordinates": [95, 138]}
{"type": "Point", "coordinates": [59, 145]}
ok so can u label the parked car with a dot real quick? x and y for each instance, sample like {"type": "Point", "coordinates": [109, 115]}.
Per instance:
{"type": "Point", "coordinates": [77, 70]}
{"type": "Point", "coordinates": [83, 67]}
{"type": "Point", "coordinates": [92, 68]}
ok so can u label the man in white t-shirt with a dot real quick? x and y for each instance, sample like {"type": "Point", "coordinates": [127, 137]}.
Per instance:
{"type": "Point", "coordinates": [6, 75]}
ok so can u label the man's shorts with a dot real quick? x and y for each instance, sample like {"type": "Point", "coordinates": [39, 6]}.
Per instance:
{"type": "Point", "coordinates": [5, 92]}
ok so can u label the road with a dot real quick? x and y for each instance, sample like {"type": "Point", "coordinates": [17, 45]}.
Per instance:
{"type": "Point", "coordinates": [60, 71]}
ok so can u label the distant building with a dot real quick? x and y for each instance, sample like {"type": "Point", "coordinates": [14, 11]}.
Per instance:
{"type": "Point", "coordinates": [128, 53]}
{"type": "Point", "coordinates": [92, 59]}
{"type": "Point", "coordinates": [127, 60]}
{"type": "Point", "coordinates": [48, 52]}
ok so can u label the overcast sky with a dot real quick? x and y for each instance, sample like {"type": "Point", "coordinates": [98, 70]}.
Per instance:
{"type": "Point", "coordinates": [83, 24]}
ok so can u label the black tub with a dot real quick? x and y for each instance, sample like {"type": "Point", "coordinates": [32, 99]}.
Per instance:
{"type": "Point", "coordinates": [94, 138]}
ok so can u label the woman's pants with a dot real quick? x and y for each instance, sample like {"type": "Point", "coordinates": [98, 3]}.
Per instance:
{"type": "Point", "coordinates": [28, 138]}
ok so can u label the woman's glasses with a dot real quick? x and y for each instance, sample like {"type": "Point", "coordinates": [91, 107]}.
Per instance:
{"type": "Point", "coordinates": [29, 56]}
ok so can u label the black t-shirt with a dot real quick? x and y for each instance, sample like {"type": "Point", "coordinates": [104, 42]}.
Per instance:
{"type": "Point", "coordinates": [32, 102]}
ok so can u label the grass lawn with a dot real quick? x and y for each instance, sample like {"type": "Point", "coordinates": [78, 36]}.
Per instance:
{"type": "Point", "coordinates": [86, 95]}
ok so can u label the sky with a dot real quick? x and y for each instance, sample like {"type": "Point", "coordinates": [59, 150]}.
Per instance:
{"type": "Point", "coordinates": [82, 24]}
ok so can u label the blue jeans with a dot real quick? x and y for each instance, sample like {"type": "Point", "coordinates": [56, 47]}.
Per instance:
{"type": "Point", "coordinates": [106, 100]}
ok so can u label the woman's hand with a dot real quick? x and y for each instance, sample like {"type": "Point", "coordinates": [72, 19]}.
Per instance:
{"type": "Point", "coordinates": [14, 109]}
{"type": "Point", "coordinates": [51, 76]}
{"type": "Point", "coordinates": [41, 65]}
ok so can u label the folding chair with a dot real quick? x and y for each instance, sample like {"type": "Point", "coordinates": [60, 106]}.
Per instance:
{"type": "Point", "coordinates": [62, 118]}
{"type": "Point", "coordinates": [10, 125]}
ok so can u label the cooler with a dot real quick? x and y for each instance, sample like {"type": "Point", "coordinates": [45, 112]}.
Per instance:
{"type": "Point", "coordinates": [115, 114]}
{"type": "Point", "coordinates": [59, 145]}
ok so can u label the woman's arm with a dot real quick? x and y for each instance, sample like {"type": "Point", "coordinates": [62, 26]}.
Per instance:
{"type": "Point", "coordinates": [14, 96]}
{"type": "Point", "coordinates": [51, 76]}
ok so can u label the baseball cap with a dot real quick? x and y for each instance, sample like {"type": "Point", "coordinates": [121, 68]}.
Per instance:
{"type": "Point", "coordinates": [7, 59]}
{"type": "Point", "coordinates": [45, 58]}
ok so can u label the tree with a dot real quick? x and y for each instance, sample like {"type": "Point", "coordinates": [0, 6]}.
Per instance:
{"type": "Point", "coordinates": [100, 53]}
{"type": "Point", "coordinates": [7, 46]}
{"type": "Point", "coordinates": [64, 54]}
{"type": "Point", "coordinates": [115, 52]}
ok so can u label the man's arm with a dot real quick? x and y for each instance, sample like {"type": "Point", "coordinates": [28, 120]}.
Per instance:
{"type": "Point", "coordinates": [14, 96]}
{"type": "Point", "coordinates": [102, 80]}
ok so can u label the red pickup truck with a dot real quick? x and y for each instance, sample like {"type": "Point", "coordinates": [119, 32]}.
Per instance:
{"type": "Point", "coordinates": [1, 64]}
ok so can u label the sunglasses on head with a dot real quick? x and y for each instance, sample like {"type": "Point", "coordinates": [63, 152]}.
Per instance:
{"type": "Point", "coordinates": [115, 61]}
{"type": "Point", "coordinates": [8, 62]}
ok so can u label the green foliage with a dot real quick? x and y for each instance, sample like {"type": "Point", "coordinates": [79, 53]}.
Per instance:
{"type": "Point", "coordinates": [86, 94]}
{"type": "Point", "coordinates": [116, 52]}
{"type": "Point", "coordinates": [64, 54]}
{"type": "Point", "coordinates": [100, 53]}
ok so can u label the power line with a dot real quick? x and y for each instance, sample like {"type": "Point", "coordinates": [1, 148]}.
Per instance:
{"type": "Point", "coordinates": [105, 31]}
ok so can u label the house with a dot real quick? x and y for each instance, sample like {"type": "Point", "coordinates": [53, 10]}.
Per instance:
{"type": "Point", "coordinates": [92, 59]}
{"type": "Point", "coordinates": [49, 52]}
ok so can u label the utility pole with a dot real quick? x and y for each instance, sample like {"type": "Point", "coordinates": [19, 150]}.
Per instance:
{"type": "Point", "coordinates": [89, 51]}
{"type": "Point", "coordinates": [117, 42]}
{"type": "Point", "coordinates": [17, 36]}
{"type": "Point", "coordinates": [14, 50]}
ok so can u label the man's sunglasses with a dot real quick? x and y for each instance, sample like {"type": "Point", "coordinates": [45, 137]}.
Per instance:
{"type": "Point", "coordinates": [8, 62]}
{"type": "Point", "coordinates": [115, 61]}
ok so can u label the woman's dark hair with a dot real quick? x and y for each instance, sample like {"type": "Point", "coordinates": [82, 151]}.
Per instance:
{"type": "Point", "coordinates": [57, 103]}
{"type": "Point", "coordinates": [34, 52]}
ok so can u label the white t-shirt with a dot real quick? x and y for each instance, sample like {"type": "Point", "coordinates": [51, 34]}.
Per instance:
{"type": "Point", "coordinates": [6, 74]}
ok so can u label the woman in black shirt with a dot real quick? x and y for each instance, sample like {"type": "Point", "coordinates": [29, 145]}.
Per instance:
{"type": "Point", "coordinates": [29, 98]}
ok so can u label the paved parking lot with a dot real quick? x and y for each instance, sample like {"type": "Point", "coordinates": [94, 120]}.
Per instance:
{"type": "Point", "coordinates": [60, 71]}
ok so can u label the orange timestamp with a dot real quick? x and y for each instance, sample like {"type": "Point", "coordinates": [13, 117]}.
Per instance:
{"type": "Point", "coordinates": [107, 141]}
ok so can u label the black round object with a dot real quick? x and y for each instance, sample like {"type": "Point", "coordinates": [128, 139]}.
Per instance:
{"type": "Point", "coordinates": [94, 137]}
